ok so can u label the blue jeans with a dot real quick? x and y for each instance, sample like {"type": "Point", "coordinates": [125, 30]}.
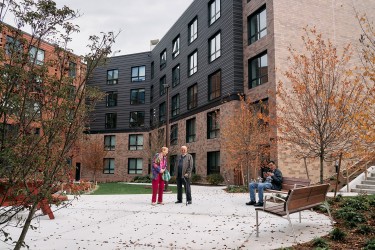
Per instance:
{"type": "Point", "coordinates": [260, 187]}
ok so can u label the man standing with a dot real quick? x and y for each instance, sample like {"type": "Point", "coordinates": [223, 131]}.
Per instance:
{"type": "Point", "coordinates": [184, 163]}
{"type": "Point", "coordinates": [273, 181]}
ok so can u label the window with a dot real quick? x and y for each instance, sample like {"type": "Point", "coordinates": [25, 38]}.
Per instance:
{"type": "Point", "coordinates": [190, 130]}
{"type": "Point", "coordinates": [257, 25]}
{"type": "Point", "coordinates": [162, 83]}
{"type": "Point", "coordinates": [213, 162]}
{"type": "Point", "coordinates": [214, 11]}
{"type": "Point", "coordinates": [258, 70]}
{"type": "Point", "coordinates": [112, 76]}
{"type": "Point", "coordinates": [176, 47]}
{"type": "Point", "coordinates": [109, 166]}
{"type": "Point", "coordinates": [176, 76]}
{"type": "Point", "coordinates": [176, 105]}
{"type": "Point", "coordinates": [163, 59]}
{"type": "Point", "coordinates": [152, 117]}
{"type": "Point", "coordinates": [152, 70]}
{"type": "Point", "coordinates": [137, 119]}
{"type": "Point", "coordinates": [13, 46]}
{"type": "Point", "coordinates": [213, 127]}
{"type": "Point", "coordinates": [214, 47]}
{"type": "Point", "coordinates": [135, 142]}
{"type": "Point", "coordinates": [111, 100]}
{"type": "Point", "coordinates": [172, 166]}
{"type": "Point", "coordinates": [162, 112]}
{"type": "Point", "coordinates": [151, 93]}
{"type": "Point", "coordinates": [193, 30]}
{"type": "Point", "coordinates": [214, 85]}
{"type": "Point", "coordinates": [138, 74]}
{"type": "Point", "coordinates": [174, 134]}
{"type": "Point", "coordinates": [109, 142]}
{"type": "Point", "coordinates": [192, 97]}
{"type": "Point", "coordinates": [71, 92]}
{"type": "Point", "coordinates": [72, 69]}
{"type": "Point", "coordinates": [135, 166]}
{"type": "Point", "coordinates": [193, 63]}
{"type": "Point", "coordinates": [110, 120]}
{"type": "Point", "coordinates": [36, 55]}
{"type": "Point", "coordinates": [194, 157]}
{"type": "Point", "coordinates": [137, 96]}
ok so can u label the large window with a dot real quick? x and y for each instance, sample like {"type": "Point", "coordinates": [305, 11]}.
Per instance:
{"type": "Point", "coordinates": [137, 96]}
{"type": "Point", "coordinates": [72, 69]}
{"type": "Point", "coordinates": [213, 162]}
{"type": "Point", "coordinates": [13, 46]}
{"type": "Point", "coordinates": [194, 157]}
{"type": "Point", "coordinates": [214, 85]}
{"type": "Point", "coordinates": [112, 76]}
{"type": "Point", "coordinates": [138, 74]}
{"type": "Point", "coordinates": [176, 47]}
{"type": "Point", "coordinates": [193, 30]}
{"type": "Point", "coordinates": [135, 142]}
{"type": "Point", "coordinates": [190, 130]}
{"type": "Point", "coordinates": [163, 59]}
{"type": "Point", "coordinates": [109, 166]}
{"type": "Point", "coordinates": [172, 166]}
{"type": "Point", "coordinates": [135, 166]}
{"type": "Point", "coordinates": [162, 113]}
{"type": "Point", "coordinates": [37, 55]}
{"type": "Point", "coordinates": [110, 120]}
{"type": "Point", "coordinates": [192, 98]}
{"type": "Point", "coordinates": [214, 11]}
{"type": "Point", "coordinates": [109, 142]}
{"type": "Point", "coordinates": [213, 125]}
{"type": "Point", "coordinates": [137, 119]}
{"type": "Point", "coordinates": [214, 47]}
{"type": "Point", "coordinates": [258, 70]}
{"type": "Point", "coordinates": [257, 25]}
{"type": "Point", "coordinates": [175, 105]}
{"type": "Point", "coordinates": [193, 63]}
{"type": "Point", "coordinates": [162, 83]}
{"type": "Point", "coordinates": [174, 134]}
{"type": "Point", "coordinates": [111, 100]}
{"type": "Point", "coordinates": [176, 76]}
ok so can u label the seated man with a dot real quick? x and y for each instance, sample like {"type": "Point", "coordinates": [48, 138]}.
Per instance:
{"type": "Point", "coordinates": [273, 181]}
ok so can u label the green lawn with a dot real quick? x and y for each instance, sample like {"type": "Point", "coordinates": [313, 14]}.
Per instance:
{"type": "Point", "coordinates": [125, 188]}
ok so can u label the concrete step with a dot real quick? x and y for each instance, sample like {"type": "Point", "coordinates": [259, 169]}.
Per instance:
{"type": "Point", "coordinates": [366, 191]}
{"type": "Point", "coordinates": [371, 178]}
{"type": "Point", "coordinates": [365, 186]}
{"type": "Point", "coordinates": [368, 182]}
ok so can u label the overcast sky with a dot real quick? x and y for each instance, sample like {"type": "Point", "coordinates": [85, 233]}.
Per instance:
{"type": "Point", "coordinates": [139, 21]}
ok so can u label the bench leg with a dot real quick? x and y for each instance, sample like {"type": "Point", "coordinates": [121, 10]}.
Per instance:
{"type": "Point", "coordinates": [290, 223]}
{"type": "Point", "coordinates": [256, 221]}
{"type": "Point", "coordinates": [299, 216]}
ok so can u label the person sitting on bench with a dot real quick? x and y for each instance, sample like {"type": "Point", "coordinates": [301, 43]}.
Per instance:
{"type": "Point", "coordinates": [273, 181]}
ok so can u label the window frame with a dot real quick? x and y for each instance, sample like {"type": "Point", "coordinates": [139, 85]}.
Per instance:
{"type": "Point", "coordinates": [215, 167]}
{"type": "Point", "coordinates": [259, 32]}
{"type": "Point", "coordinates": [176, 47]}
{"type": "Point", "coordinates": [193, 30]}
{"type": "Point", "coordinates": [35, 54]}
{"type": "Point", "coordinates": [173, 140]}
{"type": "Point", "coordinates": [176, 75]}
{"type": "Point", "coordinates": [191, 130]}
{"type": "Point", "coordinates": [137, 145]}
{"type": "Point", "coordinates": [213, 124]}
{"type": "Point", "coordinates": [140, 75]}
{"type": "Point", "coordinates": [162, 112]}
{"type": "Point", "coordinates": [108, 169]}
{"type": "Point", "coordinates": [214, 43]}
{"type": "Point", "coordinates": [111, 146]}
{"type": "Point", "coordinates": [140, 98]}
{"type": "Point", "coordinates": [110, 120]}
{"type": "Point", "coordinates": [139, 119]}
{"type": "Point", "coordinates": [137, 171]}
{"type": "Point", "coordinates": [175, 107]}
{"type": "Point", "coordinates": [112, 78]}
{"type": "Point", "coordinates": [214, 85]}
{"type": "Point", "coordinates": [258, 79]}
{"type": "Point", "coordinates": [193, 63]}
{"type": "Point", "coordinates": [111, 99]}
{"type": "Point", "coordinates": [192, 96]}
{"type": "Point", "coordinates": [163, 59]}
{"type": "Point", "coordinates": [216, 6]}
{"type": "Point", "coordinates": [162, 89]}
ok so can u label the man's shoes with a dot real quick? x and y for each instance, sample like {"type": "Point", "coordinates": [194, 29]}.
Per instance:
{"type": "Point", "coordinates": [189, 202]}
{"type": "Point", "coordinates": [250, 203]}
{"type": "Point", "coordinates": [259, 204]}
{"type": "Point", "coordinates": [178, 202]}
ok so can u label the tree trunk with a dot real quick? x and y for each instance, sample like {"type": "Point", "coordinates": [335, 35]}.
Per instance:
{"type": "Point", "coordinates": [26, 226]}
{"type": "Point", "coordinates": [321, 168]}
{"type": "Point", "coordinates": [338, 175]}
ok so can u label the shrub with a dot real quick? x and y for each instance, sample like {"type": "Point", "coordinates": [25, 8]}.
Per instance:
{"type": "Point", "coordinates": [320, 242]}
{"type": "Point", "coordinates": [215, 179]}
{"type": "Point", "coordinates": [195, 178]}
{"type": "Point", "coordinates": [142, 179]}
{"type": "Point", "coordinates": [370, 245]}
{"type": "Point", "coordinates": [337, 234]}
{"type": "Point", "coordinates": [351, 216]}
{"type": "Point", "coordinates": [358, 203]}
{"type": "Point", "coordinates": [236, 189]}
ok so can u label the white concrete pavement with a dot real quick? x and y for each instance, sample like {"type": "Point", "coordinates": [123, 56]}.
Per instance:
{"type": "Point", "coordinates": [215, 220]}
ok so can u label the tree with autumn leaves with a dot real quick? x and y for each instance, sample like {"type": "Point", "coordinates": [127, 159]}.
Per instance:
{"type": "Point", "coordinates": [246, 137]}
{"type": "Point", "coordinates": [320, 96]}
{"type": "Point", "coordinates": [44, 105]}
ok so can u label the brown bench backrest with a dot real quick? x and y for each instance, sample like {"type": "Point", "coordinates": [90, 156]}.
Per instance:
{"type": "Point", "coordinates": [289, 182]}
{"type": "Point", "coordinates": [306, 197]}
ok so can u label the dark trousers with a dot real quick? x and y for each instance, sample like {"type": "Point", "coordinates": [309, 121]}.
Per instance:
{"type": "Point", "coordinates": [186, 183]}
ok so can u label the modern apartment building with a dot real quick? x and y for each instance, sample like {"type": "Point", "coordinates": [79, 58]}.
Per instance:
{"type": "Point", "coordinates": [215, 51]}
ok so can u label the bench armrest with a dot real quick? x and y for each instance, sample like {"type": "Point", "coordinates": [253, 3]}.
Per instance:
{"type": "Point", "coordinates": [299, 185]}
{"type": "Point", "coordinates": [272, 196]}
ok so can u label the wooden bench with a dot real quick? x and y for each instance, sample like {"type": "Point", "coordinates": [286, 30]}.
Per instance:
{"type": "Point", "coordinates": [288, 184]}
{"type": "Point", "coordinates": [298, 199]}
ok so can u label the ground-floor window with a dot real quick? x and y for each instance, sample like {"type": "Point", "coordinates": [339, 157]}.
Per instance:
{"type": "Point", "coordinates": [109, 166]}
{"type": "Point", "coordinates": [213, 162]}
{"type": "Point", "coordinates": [135, 165]}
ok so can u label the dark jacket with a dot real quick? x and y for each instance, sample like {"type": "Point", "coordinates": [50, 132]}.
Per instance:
{"type": "Point", "coordinates": [187, 165]}
{"type": "Point", "coordinates": [277, 179]}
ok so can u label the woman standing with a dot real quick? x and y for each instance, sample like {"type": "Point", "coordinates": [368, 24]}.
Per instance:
{"type": "Point", "coordinates": [159, 165]}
